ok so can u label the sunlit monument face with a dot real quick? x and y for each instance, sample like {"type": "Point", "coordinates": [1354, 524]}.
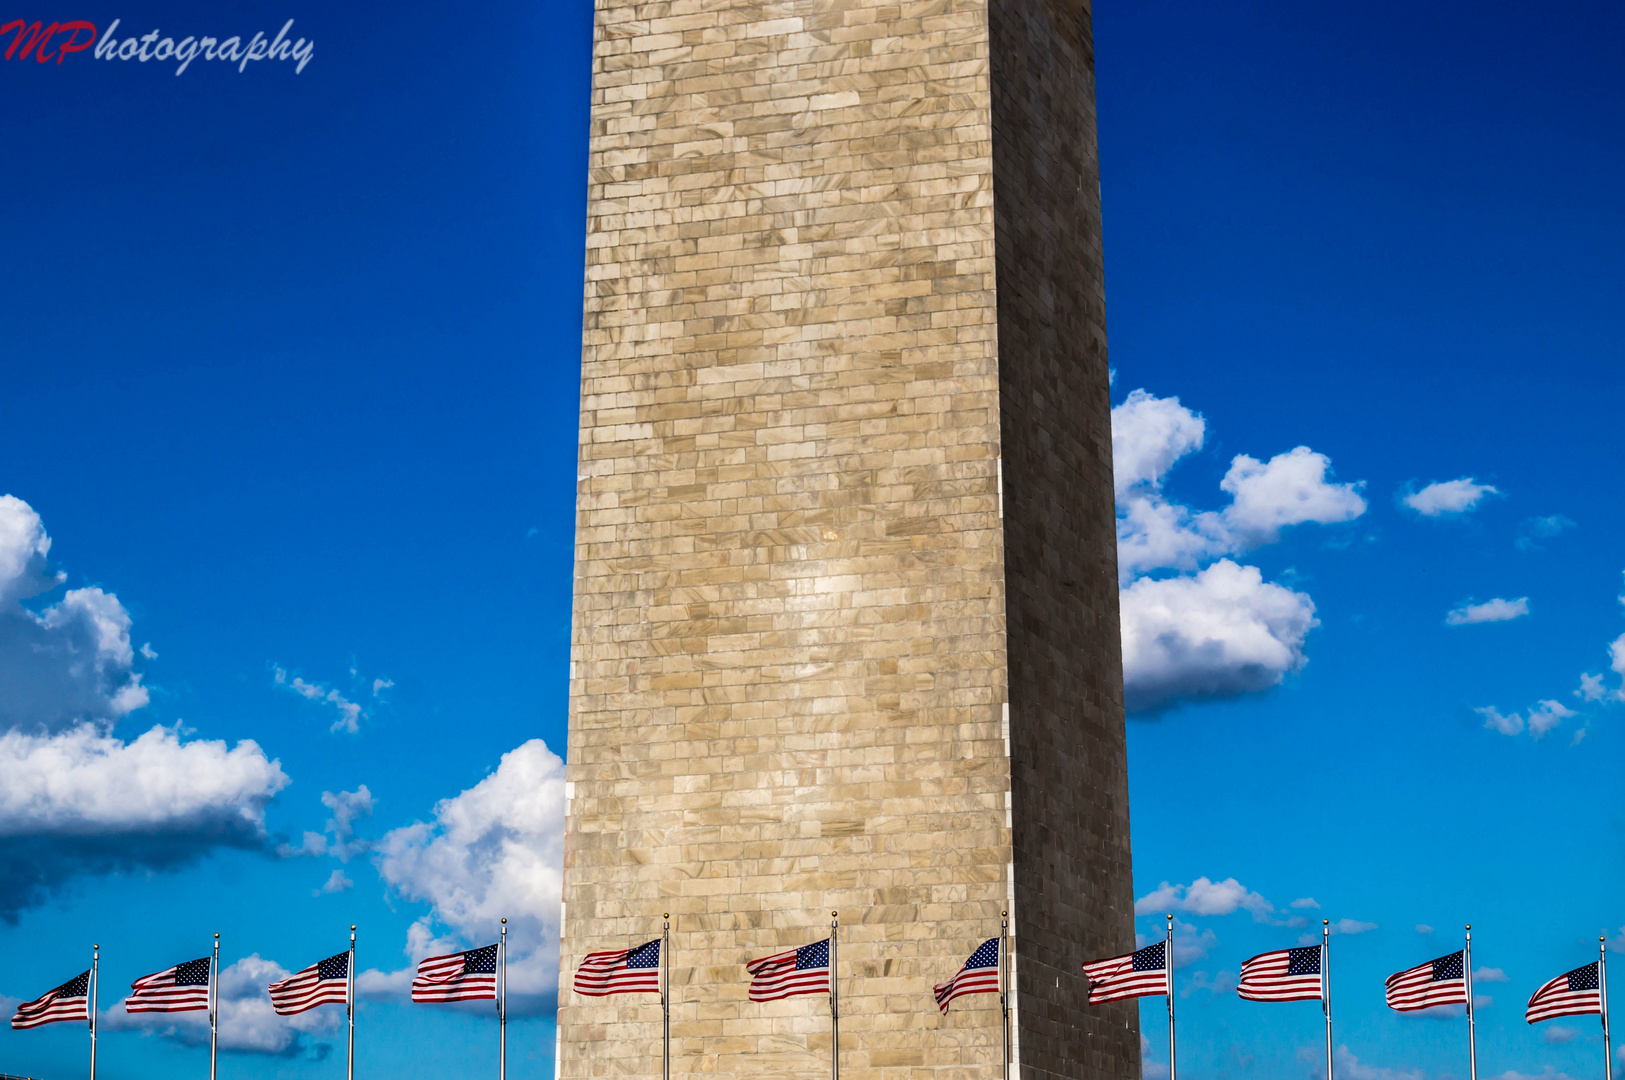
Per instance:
{"type": "Point", "coordinates": [845, 631]}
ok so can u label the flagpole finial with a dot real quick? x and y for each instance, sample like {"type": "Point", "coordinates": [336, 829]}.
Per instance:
{"type": "Point", "coordinates": [1325, 922]}
{"type": "Point", "coordinates": [666, 915]}
{"type": "Point", "coordinates": [1003, 914]}
{"type": "Point", "coordinates": [504, 920]}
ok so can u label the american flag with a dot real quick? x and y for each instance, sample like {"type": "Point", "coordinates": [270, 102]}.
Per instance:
{"type": "Point", "coordinates": [625, 971]}
{"type": "Point", "coordinates": [1437, 982]}
{"type": "Point", "coordinates": [786, 974]}
{"type": "Point", "coordinates": [182, 988]}
{"type": "Point", "coordinates": [326, 981]}
{"type": "Point", "coordinates": [1575, 994]}
{"type": "Point", "coordinates": [463, 976]}
{"type": "Point", "coordinates": [980, 975]}
{"type": "Point", "coordinates": [1283, 975]}
{"type": "Point", "coordinates": [70, 1001]}
{"type": "Point", "coordinates": [1135, 975]}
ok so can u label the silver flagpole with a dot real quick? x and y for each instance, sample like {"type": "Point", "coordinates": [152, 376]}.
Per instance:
{"type": "Point", "coordinates": [95, 975]}
{"type": "Point", "coordinates": [1326, 987]}
{"type": "Point", "coordinates": [665, 998]}
{"type": "Point", "coordinates": [214, 1004]}
{"type": "Point", "coordinates": [1602, 985]}
{"type": "Point", "coordinates": [1472, 1040]}
{"type": "Point", "coordinates": [502, 1004]}
{"type": "Point", "coordinates": [349, 1008]}
{"type": "Point", "coordinates": [1168, 967]}
{"type": "Point", "coordinates": [834, 1002]}
{"type": "Point", "coordinates": [1004, 986]}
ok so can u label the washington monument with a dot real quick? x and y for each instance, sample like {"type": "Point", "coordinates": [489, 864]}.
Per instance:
{"type": "Point", "coordinates": [845, 623]}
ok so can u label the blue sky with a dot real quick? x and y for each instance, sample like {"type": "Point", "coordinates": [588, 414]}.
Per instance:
{"type": "Point", "coordinates": [290, 384]}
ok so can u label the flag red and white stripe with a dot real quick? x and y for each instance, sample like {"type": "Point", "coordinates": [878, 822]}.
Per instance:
{"type": "Point", "coordinates": [978, 975]}
{"type": "Point", "coordinates": [786, 974]}
{"type": "Point", "coordinates": [1437, 982]}
{"type": "Point", "coordinates": [463, 976]}
{"type": "Point", "coordinates": [322, 983]}
{"type": "Point", "coordinates": [623, 971]}
{"type": "Point", "coordinates": [1574, 993]}
{"type": "Point", "coordinates": [182, 988]}
{"type": "Point", "coordinates": [1282, 975]}
{"type": "Point", "coordinates": [70, 1001]}
{"type": "Point", "coordinates": [1138, 974]}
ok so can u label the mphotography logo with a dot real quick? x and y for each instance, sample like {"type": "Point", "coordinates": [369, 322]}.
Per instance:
{"type": "Point", "coordinates": [57, 41]}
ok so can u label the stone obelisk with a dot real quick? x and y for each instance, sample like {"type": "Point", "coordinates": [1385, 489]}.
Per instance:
{"type": "Point", "coordinates": [845, 625]}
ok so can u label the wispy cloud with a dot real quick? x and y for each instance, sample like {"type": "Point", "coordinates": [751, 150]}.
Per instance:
{"type": "Point", "coordinates": [1543, 717]}
{"type": "Point", "coordinates": [350, 713]}
{"type": "Point", "coordinates": [1445, 498]}
{"type": "Point", "coordinates": [1534, 530]}
{"type": "Point", "coordinates": [339, 840]}
{"type": "Point", "coordinates": [1496, 610]}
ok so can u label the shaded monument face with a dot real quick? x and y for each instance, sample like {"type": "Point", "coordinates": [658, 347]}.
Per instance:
{"type": "Point", "coordinates": [842, 259]}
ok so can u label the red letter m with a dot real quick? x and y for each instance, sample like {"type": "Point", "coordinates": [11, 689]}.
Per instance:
{"type": "Point", "coordinates": [36, 36]}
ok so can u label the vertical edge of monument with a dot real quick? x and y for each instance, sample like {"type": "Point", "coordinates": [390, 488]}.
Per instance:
{"type": "Point", "coordinates": [1074, 892]}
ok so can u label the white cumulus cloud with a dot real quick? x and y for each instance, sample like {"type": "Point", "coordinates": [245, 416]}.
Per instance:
{"type": "Point", "coordinates": [1149, 434]}
{"type": "Point", "coordinates": [84, 801]}
{"type": "Point", "coordinates": [1496, 610]}
{"type": "Point", "coordinates": [69, 662]}
{"type": "Point", "coordinates": [1221, 632]}
{"type": "Point", "coordinates": [1445, 497]}
{"type": "Point", "coordinates": [494, 851]}
{"type": "Point", "coordinates": [1217, 629]}
{"type": "Point", "coordinates": [1204, 896]}
{"type": "Point", "coordinates": [1289, 489]}
{"type": "Point", "coordinates": [75, 798]}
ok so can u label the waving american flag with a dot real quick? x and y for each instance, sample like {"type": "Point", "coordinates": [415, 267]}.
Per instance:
{"type": "Point", "coordinates": [1283, 975]}
{"type": "Point", "coordinates": [463, 976]}
{"type": "Point", "coordinates": [979, 975]}
{"type": "Point", "coordinates": [1575, 993]}
{"type": "Point", "coordinates": [1137, 974]}
{"type": "Point", "coordinates": [182, 988]}
{"type": "Point", "coordinates": [70, 1001]}
{"type": "Point", "coordinates": [786, 974]}
{"type": "Point", "coordinates": [623, 971]}
{"type": "Point", "coordinates": [1437, 982]}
